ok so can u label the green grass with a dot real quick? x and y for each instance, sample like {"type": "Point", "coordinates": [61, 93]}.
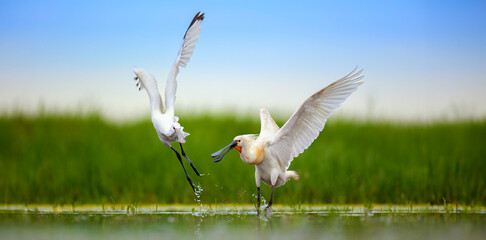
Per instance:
{"type": "Point", "coordinates": [80, 159]}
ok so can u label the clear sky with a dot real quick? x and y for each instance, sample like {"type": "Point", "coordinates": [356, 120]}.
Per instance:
{"type": "Point", "coordinates": [422, 59]}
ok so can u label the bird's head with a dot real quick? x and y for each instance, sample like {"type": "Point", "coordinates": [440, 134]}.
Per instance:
{"type": "Point", "coordinates": [239, 143]}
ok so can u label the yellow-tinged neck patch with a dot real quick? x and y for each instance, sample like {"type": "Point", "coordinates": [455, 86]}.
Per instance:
{"type": "Point", "coordinates": [258, 155]}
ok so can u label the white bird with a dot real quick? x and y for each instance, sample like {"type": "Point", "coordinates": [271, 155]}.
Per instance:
{"type": "Point", "coordinates": [162, 113]}
{"type": "Point", "coordinates": [273, 149]}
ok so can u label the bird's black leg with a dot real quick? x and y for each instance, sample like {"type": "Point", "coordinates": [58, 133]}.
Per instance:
{"type": "Point", "coordinates": [180, 160]}
{"type": "Point", "coordinates": [190, 162]}
{"type": "Point", "coordinates": [258, 198]}
{"type": "Point", "coordinates": [271, 200]}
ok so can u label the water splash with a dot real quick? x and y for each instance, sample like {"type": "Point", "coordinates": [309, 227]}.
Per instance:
{"type": "Point", "coordinates": [198, 193]}
{"type": "Point", "coordinates": [263, 201]}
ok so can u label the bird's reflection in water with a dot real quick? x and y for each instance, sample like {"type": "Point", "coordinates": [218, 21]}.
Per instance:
{"type": "Point", "coordinates": [205, 225]}
{"type": "Point", "coordinates": [264, 223]}
{"type": "Point", "coordinates": [197, 227]}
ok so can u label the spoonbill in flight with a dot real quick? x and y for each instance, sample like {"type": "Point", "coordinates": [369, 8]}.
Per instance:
{"type": "Point", "coordinates": [165, 122]}
{"type": "Point", "coordinates": [274, 148]}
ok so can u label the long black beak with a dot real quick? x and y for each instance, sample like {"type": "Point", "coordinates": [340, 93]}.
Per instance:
{"type": "Point", "coordinates": [231, 146]}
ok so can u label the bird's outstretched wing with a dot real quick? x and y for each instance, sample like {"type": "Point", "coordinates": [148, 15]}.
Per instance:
{"type": "Point", "coordinates": [146, 80]}
{"type": "Point", "coordinates": [188, 44]}
{"type": "Point", "coordinates": [268, 126]}
{"type": "Point", "coordinates": [304, 126]}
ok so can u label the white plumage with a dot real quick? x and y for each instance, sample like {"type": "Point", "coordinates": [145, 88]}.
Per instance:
{"type": "Point", "coordinates": [273, 149]}
{"type": "Point", "coordinates": [163, 116]}
{"type": "Point", "coordinates": [308, 121]}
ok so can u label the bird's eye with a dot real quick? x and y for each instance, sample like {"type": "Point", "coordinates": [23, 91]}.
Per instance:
{"type": "Point", "coordinates": [238, 141]}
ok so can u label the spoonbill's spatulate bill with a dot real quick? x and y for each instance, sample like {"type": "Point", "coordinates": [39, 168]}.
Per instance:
{"type": "Point", "coordinates": [274, 148]}
{"type": "Point", "coordinates": [165, 122]}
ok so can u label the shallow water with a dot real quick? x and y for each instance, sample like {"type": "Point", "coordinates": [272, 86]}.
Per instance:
{"type": "Point", "coordinates": [183, 223]}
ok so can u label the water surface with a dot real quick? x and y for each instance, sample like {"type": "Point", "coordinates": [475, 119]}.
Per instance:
{"type": "Point", "coordinates": [242, 223]}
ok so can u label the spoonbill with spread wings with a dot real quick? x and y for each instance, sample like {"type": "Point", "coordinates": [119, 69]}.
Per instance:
{"type": "Point", "coordinates": [162, 112]}
{"type": "Point", "coordinates": [274, 148]}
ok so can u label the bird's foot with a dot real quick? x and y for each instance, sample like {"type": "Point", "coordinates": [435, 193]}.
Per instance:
{"type": "Point", "coordinates": [187, 176]}
{"type": "Point", "coordinates": [189, 160]}
{"type": "Point", "coordinates": [268, 211]}
{"type": "Point", "coordinates": [195, 170]}
{"type": "Point", "coordinates": [258, 209]}
{"type": "Point", "coordinates": [192, 184]}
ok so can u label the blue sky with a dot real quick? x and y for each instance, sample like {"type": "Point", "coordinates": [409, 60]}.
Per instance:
{"type": "Point", "coordinates": [422, 59]}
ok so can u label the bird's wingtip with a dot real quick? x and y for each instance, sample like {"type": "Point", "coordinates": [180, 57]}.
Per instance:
{"type": "Point", "coordinates": [199, 17]}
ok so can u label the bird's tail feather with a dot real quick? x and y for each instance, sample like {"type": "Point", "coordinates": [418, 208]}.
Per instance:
{"type": "Point", "coordinates": [293, 175]}
{"type": "Point", "coordinates": [180, 133]}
